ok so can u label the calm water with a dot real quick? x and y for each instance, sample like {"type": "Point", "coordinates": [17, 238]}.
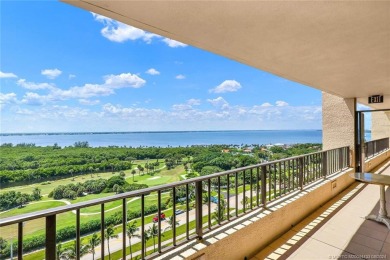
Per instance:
{"type": "Point", "coordinates": [164, 139]}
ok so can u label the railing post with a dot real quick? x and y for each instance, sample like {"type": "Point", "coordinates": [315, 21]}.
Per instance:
{"type": "Point", "coordinates": [20, 240]}
{"type": "Point", "coordinates": [198, 209]}
{"type": "Point", "coordinates": [263, 186]}
{"type": "Point", "coordinates": [324, 164]}
{"type": "Point", "coordinates": [51, 237]}
{"type": "Point", "coordinates": [300, 172]}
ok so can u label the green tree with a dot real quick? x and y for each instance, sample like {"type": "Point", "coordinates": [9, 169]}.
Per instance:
{"type": "Point", "coordinates": [170, 223]}
{"type": "Point", "coordinates": [36, 193]}
{"type": "Point", "coordinates": [108, 234]}
{"type": "Point", "coordinates": [60, 252]}
{"type": "Point", "coordinates": [219, 212]}
{"type": "Point", "coordinates": [3, 245]}
{"type": "Point", "coordinates": [93, 242]}
{"type": "Point", "coordinates": [131, 232]}
{"type": "Point", "coordinates": [153, 232]}
{"type": "Point", "coordinates": [133, 173]}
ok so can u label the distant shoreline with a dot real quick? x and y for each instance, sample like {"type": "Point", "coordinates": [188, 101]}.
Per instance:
{"type": "Point", "coordinates": [149, 132]}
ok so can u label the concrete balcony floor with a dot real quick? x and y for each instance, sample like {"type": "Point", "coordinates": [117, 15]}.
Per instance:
{"type": "Point", "coordinates": [338, 230]}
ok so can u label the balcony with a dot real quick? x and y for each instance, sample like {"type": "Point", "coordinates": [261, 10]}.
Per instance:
{"type": "Point", "coordinates": [259, 202]}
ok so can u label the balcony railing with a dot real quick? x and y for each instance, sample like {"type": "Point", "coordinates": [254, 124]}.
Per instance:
{"type": "Point", "coordinates": [207, 201]}
{"type": "Point", "coordinates": [375, 147]}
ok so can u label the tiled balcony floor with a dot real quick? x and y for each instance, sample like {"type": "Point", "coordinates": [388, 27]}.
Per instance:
{"type": "Point", "coordinates": [338, 230]}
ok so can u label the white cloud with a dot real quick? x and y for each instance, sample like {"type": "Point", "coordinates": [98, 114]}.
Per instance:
{"type": "Point", "coordinates": [119, 32]}
{"type": "Point", "coordinates": [180, 76]}
{"type": "Point", "coordinates": [193, 102]}
{"type": "Point", "coordinates": [72, 76]}
{"type": "Point", "coordinates": [34, 99]}
{"type": "Point", "coordinates": [89, 102]}
{"type": "Point", "coordinates": [188, 105]}
{"type": "Point", "coordinates": [51, 73]}
{"type": "Point", "coordinates": [219, 102]}
{"type": "Point", "coordinates": [174, 44]}
{"type": "Point", "coordinates": [266, 104]}
{"type": "Point", "coordinates": [8, 98]}
{"type": "Point", "coordinates": [7, 75]}
{"type": "Point", "coordinates": [152, 71]}
{"type": "Point", "coordinates": [227, 86]}
{"type": "Point", "coordinates": [34, 86]}
{"type": "Point", "coordinates": [280, 103]}
{"type": "Point", "coordinates": [124, 80]}
{"type": "Point", "coordinates": [86, 91]}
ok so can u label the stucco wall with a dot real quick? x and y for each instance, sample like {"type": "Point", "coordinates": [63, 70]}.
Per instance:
{"type": "Point", "coordinates": [337, 122]}
{"type": "Point", "coordinates": [380, 125]}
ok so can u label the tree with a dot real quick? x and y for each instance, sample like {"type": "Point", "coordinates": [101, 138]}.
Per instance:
{"type": "Point", "coordinates": [36, 193]}
{"type": "Point", "coordinates": [122, 174]}
{"type": "Point", "coordinates": [133, 173]}
{"type": "Point", "coordinates": [93, 242]}
{"type": "Point", "coordinates": [71, 171]}
{"type": "Point", "coordinates": [153, 232]}
{"type": "Point", "coordinates": [219, 212]}
{"type": "Point", "coordinates": [108, 234]}
{"type": "Point", "coordinates": [171, 223]}
{"type": "Point", "coordinates": [70, 253]}
{"type": "Point", "coordinates": [3, 245]}
{"type": "Point", "coordinates": [131, 232]}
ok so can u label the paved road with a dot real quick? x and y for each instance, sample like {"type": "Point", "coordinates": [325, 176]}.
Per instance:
{"type": "Point", "coordinates": [116, 243]}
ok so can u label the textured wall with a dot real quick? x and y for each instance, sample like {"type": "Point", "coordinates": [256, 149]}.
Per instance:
{"type": "Point", "coordinates": [337, 122]}
{"type": "Point", "coordinates": [380, 125]}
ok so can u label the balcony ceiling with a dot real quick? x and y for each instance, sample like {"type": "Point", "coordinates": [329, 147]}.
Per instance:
{"type": "Point", "coordinates": [341, 47]}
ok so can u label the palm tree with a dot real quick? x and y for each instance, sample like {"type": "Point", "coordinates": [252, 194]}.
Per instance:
{"type": "Point", "coordinates": [70, 253]}
{"type": "Point", "coordinates": [108, 234]}
{"type": "Point", "coordinates": [133, 173]}
{"type": "Point", "coordinates": [147, 236]}
{"type": "Point", "coordinates": [153, 232]}
{"type": "Point", "coordinates": [170, 223]}
{"type": "Point", "coordinates": [130, 231]}
{"type": "Point", "coordinates": [93, 242]}
{"type": "Point", "coordinates": [59, 252]}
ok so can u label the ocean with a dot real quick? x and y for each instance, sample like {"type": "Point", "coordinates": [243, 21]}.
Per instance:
{"type": "Point", "coordinates": [166, 139]}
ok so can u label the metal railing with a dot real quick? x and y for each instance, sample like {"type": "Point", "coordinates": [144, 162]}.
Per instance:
{"type": "Point", "coordinates": [208, 201]}
{"type": "Point", "coordinates": [375, 147]}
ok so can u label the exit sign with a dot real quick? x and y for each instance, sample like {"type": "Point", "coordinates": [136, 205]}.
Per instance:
{"type": "Point", "coordinates": [375, 99]}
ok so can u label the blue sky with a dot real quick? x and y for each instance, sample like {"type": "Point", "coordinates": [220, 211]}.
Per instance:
{"type": "Point", "coordinates": [64, 69]}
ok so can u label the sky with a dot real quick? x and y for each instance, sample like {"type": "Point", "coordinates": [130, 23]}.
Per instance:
{"type": "Point", "coordinates": [64, 69]}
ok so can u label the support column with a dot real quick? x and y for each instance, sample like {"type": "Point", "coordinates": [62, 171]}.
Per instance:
{"type": "Point", "coordinates": [338, 123]}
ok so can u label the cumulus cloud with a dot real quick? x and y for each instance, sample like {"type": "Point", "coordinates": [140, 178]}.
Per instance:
{"type": "Point", "coordinates": [280, 103]}
{"type": "Point", "coordinates": [227, 86]}
{"type": "Point", "coordinates": [266, 104]}
{"type": "Point", "coordinates": [219, 102]}
{"type": "Point", "coordinates": [51, 73]}
{"type": "Point", "coordinates": [152, 71]}
{"type": "Point", "coordinates": [35, 99]}
{"type": "Point", "coordinates": [34, 86]}
{"type": "Point", "coordinates": [119, 32]}
{"type": "Point", "coordinates": [174, 44]}
{"type": "Point", "coordinates": [124, 80]}
{"type": "Point", "coordinates": [193, 102]}
{"type": "Point", "coordinates": [4, 75]}
{"type": "Point", "coordinates": [8, 98]}
{"type": "Point", "coordinates": [89, 102]}
{"type": "Point", "coordinates": [180, 76]}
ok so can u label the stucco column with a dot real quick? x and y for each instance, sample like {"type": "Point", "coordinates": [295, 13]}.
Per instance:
{"type": "Point", "coordinates": [380, 125]}
{"type": "Point", "coordinates": [338, 122]}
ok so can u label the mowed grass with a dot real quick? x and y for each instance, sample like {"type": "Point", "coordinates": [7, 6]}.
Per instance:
{"type": "Point", "coordinates": [47, 186]}
{"type": "Point", "coordinates": [37, 226]}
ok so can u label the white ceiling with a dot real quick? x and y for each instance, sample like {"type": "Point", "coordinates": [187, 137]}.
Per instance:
{"type": "Point", "coordinates": [341, 47]}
